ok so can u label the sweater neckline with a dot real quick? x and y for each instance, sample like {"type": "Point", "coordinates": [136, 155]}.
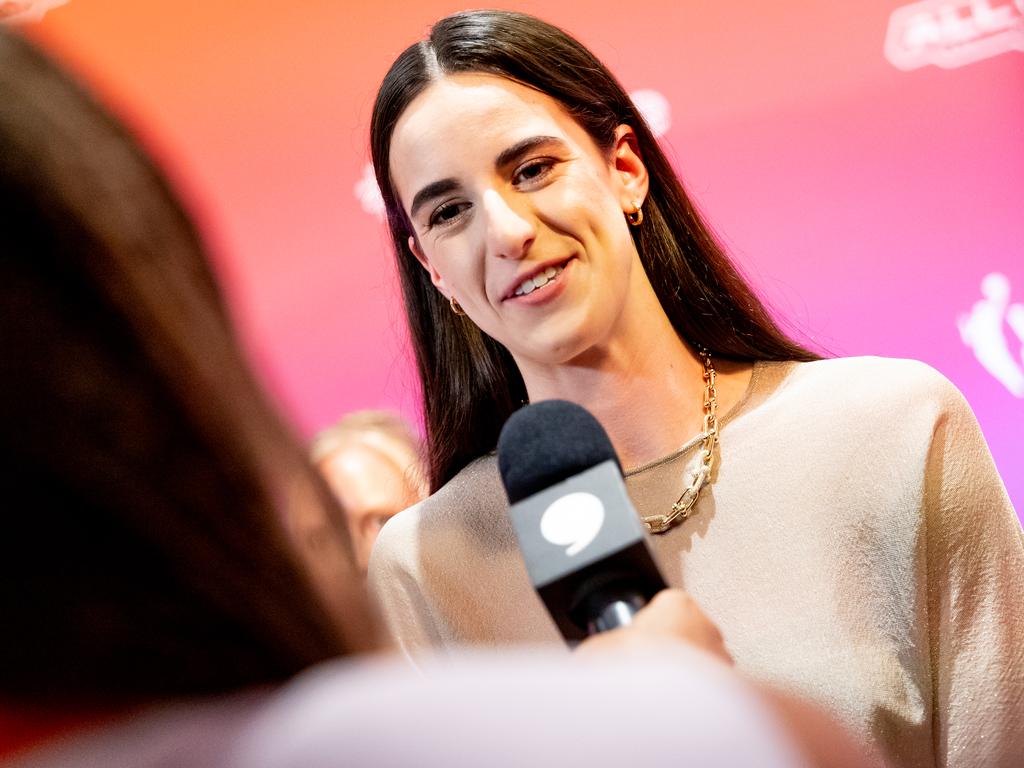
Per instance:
{"type": "Point", "coordinates": [737, 407]}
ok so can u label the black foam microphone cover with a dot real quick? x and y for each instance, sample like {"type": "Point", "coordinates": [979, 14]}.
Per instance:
{"type": "Point", "coordinates": [548, 442]}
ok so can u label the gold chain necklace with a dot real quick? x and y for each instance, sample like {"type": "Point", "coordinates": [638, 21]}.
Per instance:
{"type": "Point", "coordinates": [683, 507]}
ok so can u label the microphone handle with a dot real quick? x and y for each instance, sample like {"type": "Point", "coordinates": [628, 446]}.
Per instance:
{"type": "Point", "coordinates": [615, 613]}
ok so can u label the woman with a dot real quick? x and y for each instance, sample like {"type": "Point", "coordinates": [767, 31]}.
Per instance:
{"type": "Point", "coordinates": [154, 607]}
{"type": "Point", "coordinates": [841, 520]}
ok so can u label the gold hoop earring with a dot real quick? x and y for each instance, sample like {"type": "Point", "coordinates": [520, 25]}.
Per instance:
{"type": "Point", "coordinates": [455, 307]}
{"type": "Point", "coordinates": [636, 216]}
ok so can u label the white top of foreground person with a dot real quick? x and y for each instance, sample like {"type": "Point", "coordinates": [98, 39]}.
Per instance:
{"type": "Point", "coordinates": [668, 707]}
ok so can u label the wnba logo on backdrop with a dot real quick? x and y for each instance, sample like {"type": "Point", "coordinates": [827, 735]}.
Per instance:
{"type": "Point", "coordinates": [982, 329]}
{"type": "Point", "coordinates": [952, 33]}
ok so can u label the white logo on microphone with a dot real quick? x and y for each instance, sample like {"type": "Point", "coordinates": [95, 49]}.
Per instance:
{"type": "Point", "coordinates": [573, 521]}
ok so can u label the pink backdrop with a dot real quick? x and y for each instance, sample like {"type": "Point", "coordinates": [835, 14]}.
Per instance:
{"type": "Point", "coordinates": [865, 167]}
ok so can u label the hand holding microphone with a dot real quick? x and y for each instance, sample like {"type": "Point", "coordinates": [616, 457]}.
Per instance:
{"type": "Point", "coordinates": [671, 616]}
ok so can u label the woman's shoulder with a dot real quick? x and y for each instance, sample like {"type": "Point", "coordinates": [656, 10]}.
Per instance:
{"type": "Point", "coordinates": [865, 369]}
{"type": "Point", "coordinates": [873, 382]}
{"type": "Point", "coordinates": [422, 556]}
{"type": "Point", "coordinates": [861, 398]}
{"type": "Point", "coordinates": [474, 490]}
{"type": "Point", "coordinates": [473, 498]}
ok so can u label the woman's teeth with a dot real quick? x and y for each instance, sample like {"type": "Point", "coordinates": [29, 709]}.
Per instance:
{"type": "Point", "coordinates": [530, 284]}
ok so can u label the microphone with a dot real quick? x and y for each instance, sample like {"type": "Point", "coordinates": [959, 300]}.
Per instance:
{"type": "Point", "coordinates": [584, 545]}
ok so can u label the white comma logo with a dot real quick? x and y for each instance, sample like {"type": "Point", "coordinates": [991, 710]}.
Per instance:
{"type": "Point", "coordinates": [573, 521]}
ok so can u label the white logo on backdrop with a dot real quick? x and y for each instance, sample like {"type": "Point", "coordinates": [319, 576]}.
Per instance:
{"type": "Point", "coordinates": [368, 193]}
{"type": "Point", "coordinates": [952, 33]}
{"type": "Point", "coordinates": [981, 329]}
{"type": "Point", "coordinates": [24, 11]}
{"type": "Point", "coordinates": [573, 521]}
{"type": "Point", "coordinates": [655, 109]}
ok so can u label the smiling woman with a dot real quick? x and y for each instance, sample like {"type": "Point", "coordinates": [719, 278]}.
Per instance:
{"type": "Point", "coordinates": [530, 190]}
{"type": "Point", "coordinates": [526, 69]}
{"type": "Point", "coordinates": [846, 514]}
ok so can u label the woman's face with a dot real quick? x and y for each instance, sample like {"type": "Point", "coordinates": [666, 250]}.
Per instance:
{"type": "Point", "coordinates": [518, 214]}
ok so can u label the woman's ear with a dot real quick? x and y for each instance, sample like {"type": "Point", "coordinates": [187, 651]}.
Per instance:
{"type": "Point", "coordinates": [629, 169]}
{"type": "Point", "coordinates": [435, 276]}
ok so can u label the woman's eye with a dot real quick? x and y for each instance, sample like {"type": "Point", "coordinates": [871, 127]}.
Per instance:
{"type": "Point", "coordinates": [532, 171]}
{"type": "Point", "coordinates": [447, 213]}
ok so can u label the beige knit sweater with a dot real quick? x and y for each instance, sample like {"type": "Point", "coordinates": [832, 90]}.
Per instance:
{"type": "Point", "coordinates": [856, 547]}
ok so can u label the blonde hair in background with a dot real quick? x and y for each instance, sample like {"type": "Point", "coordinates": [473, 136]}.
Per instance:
{"type": "Point", "coordinates": [382, 431]}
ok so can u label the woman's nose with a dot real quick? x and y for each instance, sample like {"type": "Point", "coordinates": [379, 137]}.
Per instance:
{"type": "Point", "coordinates": [509, 232]}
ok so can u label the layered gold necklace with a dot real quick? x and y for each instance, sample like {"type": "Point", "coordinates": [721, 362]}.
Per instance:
{"type": "Point", "coordinates": [684, 506]}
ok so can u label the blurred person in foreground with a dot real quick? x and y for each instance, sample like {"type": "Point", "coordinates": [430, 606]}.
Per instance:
{"type": "Point", "coordinates": [373, 463]}
{"type": "Point", "coordinates": [156, 612]}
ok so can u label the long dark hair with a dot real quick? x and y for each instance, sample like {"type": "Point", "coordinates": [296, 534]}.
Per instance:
{"type": "Point", "coordinates": [470, 383]}
{"type": "Point", "coordinates": [143, 553]}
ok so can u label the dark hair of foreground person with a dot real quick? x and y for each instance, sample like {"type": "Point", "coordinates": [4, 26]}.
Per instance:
{"type": "Point", "coordinates": [143, 553]}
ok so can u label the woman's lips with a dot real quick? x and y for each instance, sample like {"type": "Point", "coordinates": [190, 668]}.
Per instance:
{"type": "Point", "coordinates": [538, 281]}
{"type": "Point", "coordinates": [546, 284]}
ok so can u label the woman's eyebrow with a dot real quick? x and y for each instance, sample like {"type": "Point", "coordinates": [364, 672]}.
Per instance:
{"type": "Point", "coordinates": [432, 190]}
{"type": "Point", "coordinates": [520, 148]}
{"type": "Point", "coordinates": [505, 158]}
